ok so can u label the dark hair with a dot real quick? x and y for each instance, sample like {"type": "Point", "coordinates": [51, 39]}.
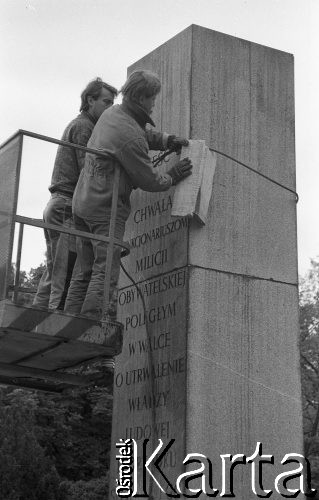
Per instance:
{"type": "Point", "coordinates": [141, 83]}
{"type": "Point", "coordinates": [94, 89]}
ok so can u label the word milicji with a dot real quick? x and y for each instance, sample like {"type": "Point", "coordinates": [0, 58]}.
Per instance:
{"type": "Point", "coordinates": [199, 469]}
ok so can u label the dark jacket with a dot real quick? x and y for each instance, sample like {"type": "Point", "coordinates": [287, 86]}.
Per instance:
{"type": "Point", "coordinates": [69, 162]}
{"type": "Point", "coordinates": [121, 132]}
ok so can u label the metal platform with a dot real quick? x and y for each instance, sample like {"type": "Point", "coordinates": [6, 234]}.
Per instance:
{"type": "Point", "coordinates": [55, 351]}
{"type": "Point", "coordinates": [41, 349]}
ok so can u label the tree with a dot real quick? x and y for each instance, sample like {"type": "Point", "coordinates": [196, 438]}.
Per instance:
{"type": "Point", "coordinates": [67, 436]}
{"type": "Point", "coordinates": [309, 358]}
{"type": "Point", "coordinates": [28, 283]}
{"type": "Point", "coordinates": [75, 429]}
{"type": "Point", "coordinates": [26, 472]}
{"type": "Point", "coordinates": [95, 489]}
{"type": "Point", "coordinates": [34, 275]}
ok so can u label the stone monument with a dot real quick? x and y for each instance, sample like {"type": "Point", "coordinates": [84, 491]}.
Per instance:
{"type": "Point", "coordinates": [212, 362]}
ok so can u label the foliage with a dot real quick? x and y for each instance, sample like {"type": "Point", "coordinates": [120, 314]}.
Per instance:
{"type": "Point", "coordinates": [96, 489]}
{"type": "Point", "coordinates": [68, 438]}
{"type": "Point", "coordinates": [75, 432]}
{"type": "Point", "coordinates": [20, 477]}
{"type": "Point", "coordinates": [34, 275]}
{"type": "Point", "coordinates": [309, 356]}
{"type": "Point", "coordinates": [28, 283]}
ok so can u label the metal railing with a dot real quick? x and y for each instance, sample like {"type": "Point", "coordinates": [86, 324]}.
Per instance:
{"type": "Point", "coordinates": [110, 240]}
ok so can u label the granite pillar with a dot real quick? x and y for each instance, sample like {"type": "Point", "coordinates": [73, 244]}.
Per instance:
{"type": "Point", "coordinates": [213, 363]}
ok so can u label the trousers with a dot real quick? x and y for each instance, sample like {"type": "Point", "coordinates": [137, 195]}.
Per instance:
{"type": "Point", "coordinates": [86, 292]}
{"type": "Point", "coordinates": [60, 254]}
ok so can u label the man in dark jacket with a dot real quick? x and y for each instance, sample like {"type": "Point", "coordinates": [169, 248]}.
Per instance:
{"type": "Point", "coordinates": [52, 289]}
{"type": "Point", "coordinates": [121, 132]}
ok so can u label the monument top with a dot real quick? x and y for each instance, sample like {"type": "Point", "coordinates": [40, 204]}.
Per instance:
{"type": "Point", "coordinates": [197, 29]}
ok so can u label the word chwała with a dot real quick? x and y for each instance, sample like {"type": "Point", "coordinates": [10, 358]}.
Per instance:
{"type": "Point", "coordinates": [199, 469]}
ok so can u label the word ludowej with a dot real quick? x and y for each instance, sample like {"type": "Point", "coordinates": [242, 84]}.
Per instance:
{"type": "Point", "coordinates": [199, 468]}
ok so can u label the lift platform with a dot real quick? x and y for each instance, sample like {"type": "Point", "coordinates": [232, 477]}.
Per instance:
{"type": "Point", "coordinates": [41, 349]}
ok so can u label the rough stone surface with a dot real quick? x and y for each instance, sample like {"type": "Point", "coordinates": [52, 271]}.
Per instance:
{"type": "Point", "coordinates": [222, 300]}
{"type": "Point", "coordinates": [243, 369]}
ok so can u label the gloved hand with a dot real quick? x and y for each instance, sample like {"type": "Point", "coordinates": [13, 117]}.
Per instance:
{"type": "Point", "coordinates": [175, 143]}
{"type": "Point", "coordinates": [181, 170]}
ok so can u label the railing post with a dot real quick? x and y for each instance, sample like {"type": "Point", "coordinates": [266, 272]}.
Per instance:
{"type": "Point", "coordinates": [110, 247]}
{"type": "Point", "coordinates": [10, 165]}
{"type": "Point", "coordinates": [18, 264]}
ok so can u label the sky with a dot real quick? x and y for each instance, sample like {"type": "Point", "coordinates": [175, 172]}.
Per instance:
{"type": "Point", "coordinates": [50, 49]}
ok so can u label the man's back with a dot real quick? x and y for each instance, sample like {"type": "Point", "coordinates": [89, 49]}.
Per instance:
{"type": "Point", "coordinates": [69, 161]}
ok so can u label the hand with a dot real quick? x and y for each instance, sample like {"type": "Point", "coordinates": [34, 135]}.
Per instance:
{"type": "Point", "coordinates": [180, 171]}
{"type": "Point", "coordinates": [175, 143]}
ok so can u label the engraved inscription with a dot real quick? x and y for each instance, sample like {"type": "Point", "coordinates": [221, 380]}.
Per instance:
{"type": "Point", "coordinates": [160, 370]}
{"type": "Point", "coordinates": [149, 383]}
{"type": "Point", "coordinates": [167, 282]}
{"type": "Point", "coordinates": [148, 261]}
{"type": "Point", "coordinates": [154, 343]}
{"type": "Point", "coordinates": [155, 314]}
{"type": "Point", "coordinates": [161, 430]}
{"type": "Point", "coordinates": [148, 401]}
{"type": "Point", "coordinates": [158, 232]}
{"type": "Point", "coordinates": [157, 208]}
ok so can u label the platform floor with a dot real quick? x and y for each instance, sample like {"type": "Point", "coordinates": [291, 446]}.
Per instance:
{"type": "Point", "coordinates": [53, 350]}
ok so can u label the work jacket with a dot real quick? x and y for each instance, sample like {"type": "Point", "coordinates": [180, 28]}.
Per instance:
{"type": "Point", "coordinates": [120, 132]}
{"type": "Point", "coordinates": [69, 161]}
